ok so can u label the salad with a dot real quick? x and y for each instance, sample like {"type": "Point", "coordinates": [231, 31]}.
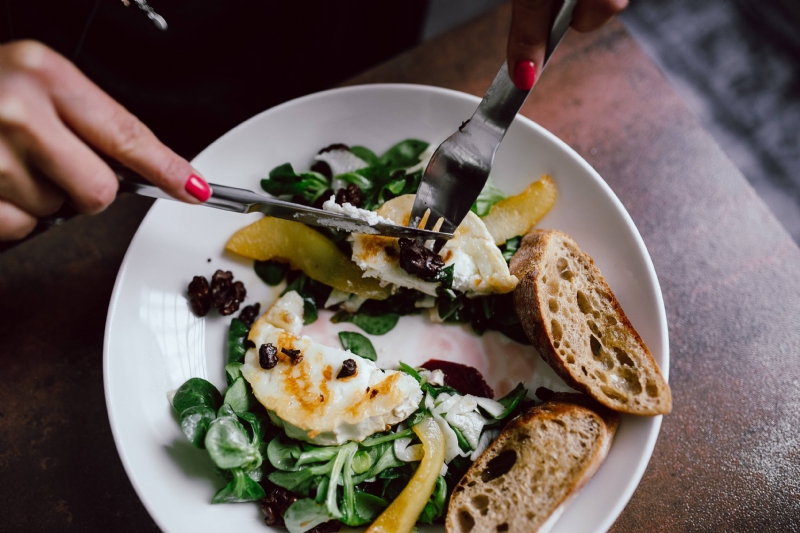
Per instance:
{"type": "Point", "coordinates": [312, 479]}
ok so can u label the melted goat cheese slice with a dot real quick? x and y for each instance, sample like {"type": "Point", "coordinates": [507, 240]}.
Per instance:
{"type": "Point", "coordinates": [479, 269]}
{"type": "Point", "coordinates": [307, 399]}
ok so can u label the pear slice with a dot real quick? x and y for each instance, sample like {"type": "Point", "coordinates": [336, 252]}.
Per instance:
{"type": "Point", "coordinates": [307, 250]}
{"type": "Point", "coordinates": [516, 215]}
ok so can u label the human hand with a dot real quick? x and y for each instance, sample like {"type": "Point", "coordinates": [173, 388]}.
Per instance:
{"type": "Point", "coordinates": [530, 26]}
{"type": "Point", "coordinates": [52, 118]}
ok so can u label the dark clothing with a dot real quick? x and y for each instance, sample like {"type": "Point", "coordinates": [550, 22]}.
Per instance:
{"type": "Point", "coordinates": [220, 61]}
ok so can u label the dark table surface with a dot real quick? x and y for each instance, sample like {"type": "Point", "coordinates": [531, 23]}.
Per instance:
{"type": "Point", "coordinates": [727, 458]}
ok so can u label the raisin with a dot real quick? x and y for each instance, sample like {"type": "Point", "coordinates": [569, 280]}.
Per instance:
{"type": "Point", "coordinates": [331, 526]}
{"type": "Point", "coordinates": [465, 379]}
{"type": "Point", "coordinates": [334, 147]}
{"type": "Point", "coordinates": [351, 195]}
{"type": "Point", "coordinates": [231, 304]}
{"type": "Point", "coordinates": [278, 500]}
{"type": "Point", "coordinates": [249, 314]}
{"type": "Point", "coordinates": [200, 296]}
{"type": "Point", "coordinates": [220, 285]}
{"type": "Point", "coordinates": [275, 503]}
{"type": "Point", "coordinates": [239, 292]}
{"type": "Point", "coordinates": [294, 355]}
{"type": "Point", "coordinates": [267, 356]}
{"type": "Point", "coordinates": [236, 295]}
{"type": "Point", "coordinates": [225, 293]}
{"type": "Point", "coordinates": [418, 260]}
{"type": "Point", "coordinates": [323, 168]}
{"type": "Point", "coordinates": [349, 368]}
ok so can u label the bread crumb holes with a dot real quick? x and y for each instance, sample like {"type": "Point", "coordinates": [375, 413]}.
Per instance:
{"type": "Point", "coordinates": [465, 520]}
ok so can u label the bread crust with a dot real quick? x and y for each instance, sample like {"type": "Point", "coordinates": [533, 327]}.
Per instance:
{"type": "Point", "coordinates": [529, 265]}
{"type": "Point", "coordinates": [522, 516]}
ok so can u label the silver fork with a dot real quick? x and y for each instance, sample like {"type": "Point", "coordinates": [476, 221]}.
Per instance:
{"type": "Point", "coordinates": [459, 168]}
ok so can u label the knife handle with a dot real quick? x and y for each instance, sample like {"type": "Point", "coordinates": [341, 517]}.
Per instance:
{"type": "Point", "coordinates": [561, 23]}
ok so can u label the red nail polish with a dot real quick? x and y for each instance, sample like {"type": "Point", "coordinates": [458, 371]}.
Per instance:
{"type": "Point", "coordinates": [525, 75]}
{"type": "Point", "coordinates": [197, 187]}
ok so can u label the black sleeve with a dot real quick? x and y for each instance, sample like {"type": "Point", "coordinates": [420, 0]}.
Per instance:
{"type": "Point", "coordinates": [220, 61]}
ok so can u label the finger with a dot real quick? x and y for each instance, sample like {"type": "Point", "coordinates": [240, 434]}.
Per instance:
{"type": "Point", "coordinates": [527, 39]}
{"type": "Point", "coordinates": [14, 222]}
{"type": "Point", "coordinates": [108, 126]}
{"type": "Point", "coordinates": [32, 123]}
{"type": "Point", "coordinates": [589, 15]}
{"type": "Point", "coordinates": [31, 193]}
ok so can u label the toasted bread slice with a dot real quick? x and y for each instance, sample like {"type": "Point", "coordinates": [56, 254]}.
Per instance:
{"type": "Point", "coordinates": [523, 480]}
{"type": "Point", "coordinates": [573, 319]}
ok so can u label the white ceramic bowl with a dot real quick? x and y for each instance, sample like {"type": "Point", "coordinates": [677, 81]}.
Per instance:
{"type": "Point", "coordinates": [154, 343]}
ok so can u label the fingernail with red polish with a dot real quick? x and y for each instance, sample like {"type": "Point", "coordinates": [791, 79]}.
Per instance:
{"type": "Point", "coordinates": [525, 75]}
{"type": "Point", "coordinates": [197, 187]}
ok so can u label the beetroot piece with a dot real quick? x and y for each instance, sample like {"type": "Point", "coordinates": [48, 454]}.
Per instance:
{"type": "Point", "coordinates": [465, 379]}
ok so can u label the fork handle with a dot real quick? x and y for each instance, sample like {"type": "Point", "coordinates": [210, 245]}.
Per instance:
{"type": "Point", "coordinates": [503, 100]}
{"type": "Point", "coordinates": [560, 26]}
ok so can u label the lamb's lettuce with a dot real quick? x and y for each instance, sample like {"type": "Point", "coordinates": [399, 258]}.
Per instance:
{"type": "Point", "coordinates": [383, 178]}
{"type": "Point", "coordinates": [510, 402]}
{"type": "Point", "coordinates": [242, 488]}
{"type": "Point", "coordinates": [435, 506]}
{"type": "Point", "coordinates": [194, 392]}
{"type": "Point", "coordinates": [352, 483]}
{"type": "Point", "coordinates": [284, 181]}
{"type": "Point", "coordinates": [365, 154]}
{"type": "Point", "coordinates": [509, 248]}
{"type": "Point", "coordinates": [404, 154]}
{"type": "Point", "coordinates": [283, 453]}
{"type": "Point", "coordinates": [372, 324]}
{"type": "Point", "coordinates": [233, 371]}
{"type": "Point", "coordinates": [271, 272]}
{"type": "Point", "coordinates": [488, 196]}
{"type": "Point", "coordinates": [311, 291]}
{"type": "Point", "coordinates": [358, 344]}
{"type": "Point", "coordinates": [229, 447]}
{"type": "Point", "coordinates": [306, 514]}
{"type": "Point", "coordinates": [495, 311]}
{"type": "Point", "coordinates": [195, 421]}
{"type": "Point", "coordinates": [239, 397]}
{"type": "Point", "coordinates": [237, 337]}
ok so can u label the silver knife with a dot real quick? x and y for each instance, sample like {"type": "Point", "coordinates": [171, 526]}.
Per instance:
{"type": "Point", "coordinates": [458, 170]}
{"type": "Point", "coordinates": [245, 201]}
